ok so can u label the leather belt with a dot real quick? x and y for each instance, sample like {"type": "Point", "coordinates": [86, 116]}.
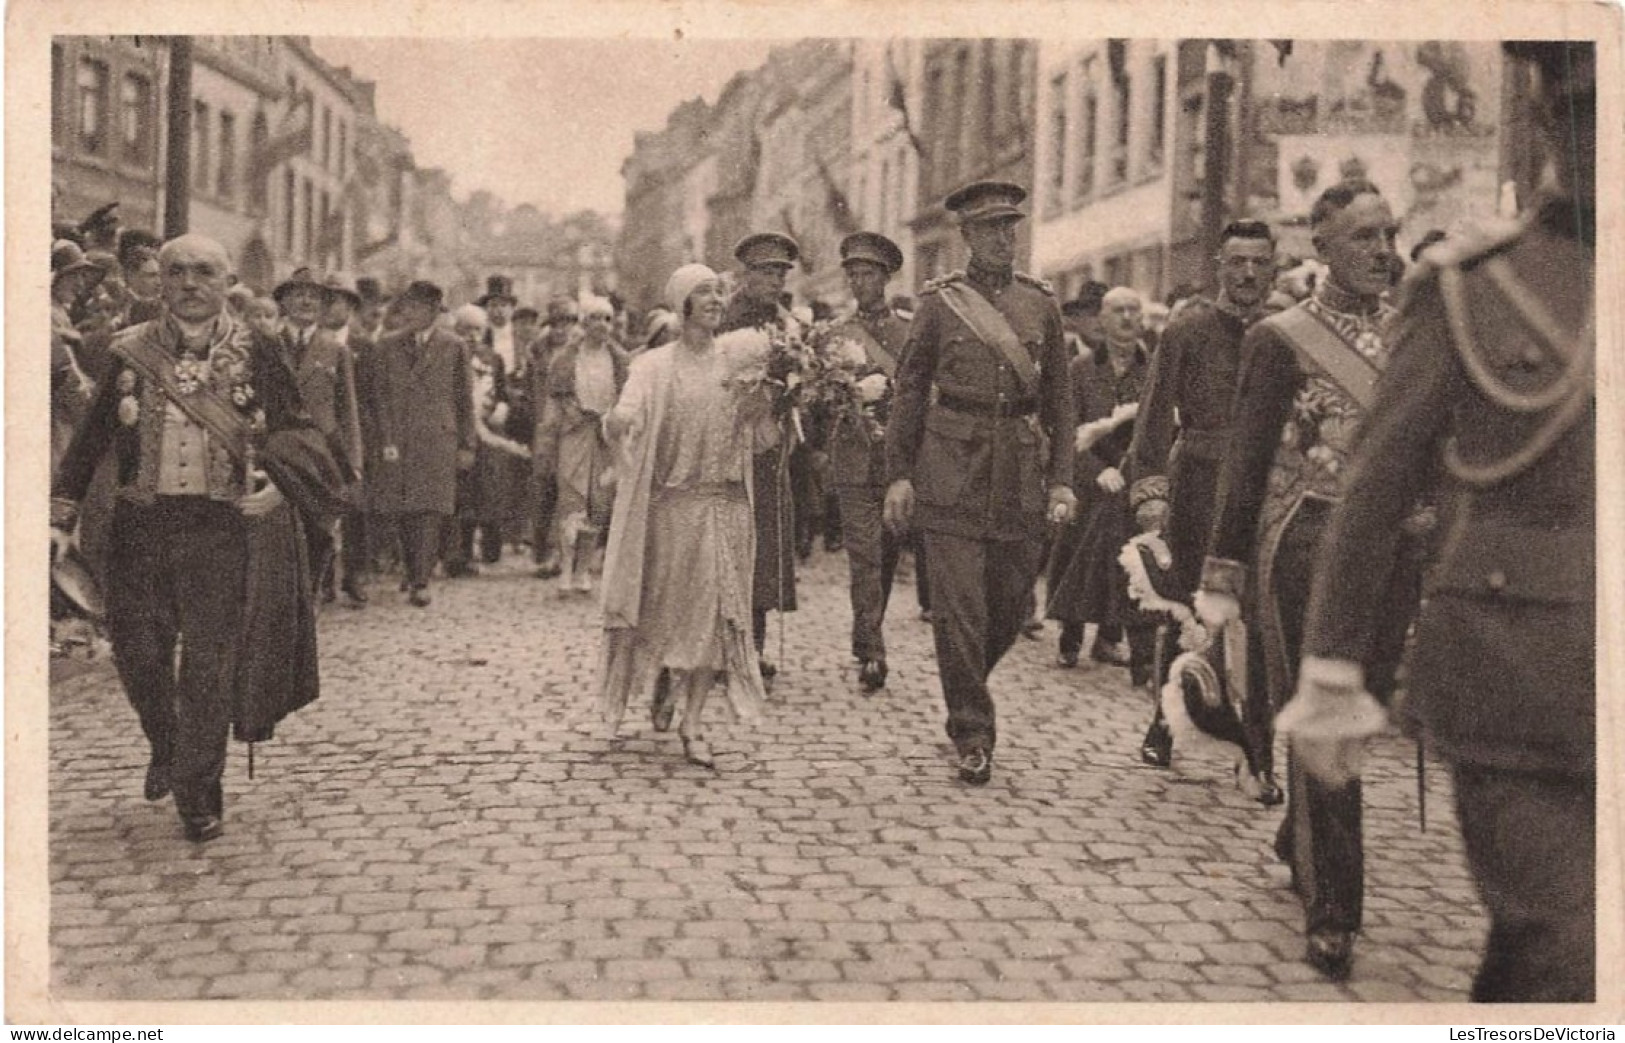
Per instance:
{"type": "Point", "coordinates": [977, 407]}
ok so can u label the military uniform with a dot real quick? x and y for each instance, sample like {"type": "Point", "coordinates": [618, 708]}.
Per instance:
{"type": "Point", "coordinates": [981, 443]}
{"type": "Point", "coordinates": [1492, 374]}
{"type": "Point", "coordinates": [773, 588]}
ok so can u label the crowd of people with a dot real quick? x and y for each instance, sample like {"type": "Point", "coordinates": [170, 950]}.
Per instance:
{"type": "Point", "coordinates": [208, 441]}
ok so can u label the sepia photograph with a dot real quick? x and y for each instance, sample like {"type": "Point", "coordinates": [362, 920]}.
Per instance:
{"type": "Point", "coordinates": [865, 516]}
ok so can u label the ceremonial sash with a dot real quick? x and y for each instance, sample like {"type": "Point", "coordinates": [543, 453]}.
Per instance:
{"type": "Point", "coordinates": [876, 350]}
{"type": "Point", "coordinates": [1328, 352]}
{"type": "Point", "coordinates": [204, 406]}
{"type": "Point", "coordinates": [993, 329]}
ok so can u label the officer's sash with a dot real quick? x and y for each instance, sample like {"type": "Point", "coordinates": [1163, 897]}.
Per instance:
{"type": "Point", "coordinates": [871, 345]}
{"type": "Point", "coordinates": [993, 329]}
{"type": "Point", "coordinates": [204, 405]}
{"type": "Point", "coordinates": [1325, 350]}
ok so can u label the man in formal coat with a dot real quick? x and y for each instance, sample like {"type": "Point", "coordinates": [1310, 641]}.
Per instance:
{"type": "Point", "coordinates": [857, 446]}
{"type": "Point", "coordinates": [1179, 435]}
{"type": "Point", "coordinates": [1491, 389]}
{"type": "Point", "coordinates": [509, 479]}
{"type": "Point", "coordinates": [325, 374]}
{"type": "Point", "coordinates": [213, 452]}
{"type": "Point", "coordinates": [765, 260]}
{"type": "Point", "coordinates": [979, 453]}
{"type": "Point", "coordinates": [421, 429]}
{"type": "Point", "coordinates": [1302, 392]}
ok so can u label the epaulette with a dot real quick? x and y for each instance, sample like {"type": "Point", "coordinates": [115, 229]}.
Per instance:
{"type": "Point", "coordinates": [1035, 281]}
{"type": "Point", "coordinates": [1472, 244]}
{"type": "Point", "coordinates": [933, 285]}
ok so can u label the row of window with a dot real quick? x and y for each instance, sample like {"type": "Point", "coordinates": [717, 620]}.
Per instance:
{"type": "Point", "coordinates": [111, 128]}
{"type": "Point", "coordinates": [974, 109]}
{"type": "Point", "coordinates": [128, 135]}
{"type": "Point", "coordinates": [1078, 157]}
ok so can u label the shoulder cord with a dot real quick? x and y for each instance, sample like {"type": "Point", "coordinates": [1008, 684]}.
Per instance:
{"type": "Point", "coordinates": [1571, 392]}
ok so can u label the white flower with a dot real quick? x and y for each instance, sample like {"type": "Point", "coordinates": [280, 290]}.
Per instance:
{"type": "Point", "coordinates": [849, 353]}
{"type": "Point", "coordinates": [873, 387]}
{"type": "Point", "coordinates": [129, 410]}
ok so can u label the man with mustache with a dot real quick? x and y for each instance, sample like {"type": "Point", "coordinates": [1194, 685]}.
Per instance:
{"type": "Point", "coordinates": [1180, 433]}
{"type": "Point", "coordinates": [207, 594]}
{"type": "Point", "coordinates": [1305, 382]}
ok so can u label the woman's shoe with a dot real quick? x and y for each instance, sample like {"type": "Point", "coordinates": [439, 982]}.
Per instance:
{"type": "Point", "coordinates": [698, 753]}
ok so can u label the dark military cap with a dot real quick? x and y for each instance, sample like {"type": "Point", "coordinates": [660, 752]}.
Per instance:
{"type": "Point", "coordinates": [873, 248]}
{"type": "Point", "coordinates": [987, 201]}
{"type": "Point", "coordinates": [422, 292]}
{"type": "Point", "coordinates": [767, 248]}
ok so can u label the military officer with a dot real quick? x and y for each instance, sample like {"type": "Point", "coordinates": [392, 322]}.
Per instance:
{"type": "Point", "coordinates": [978, 452]}
{"type": "Point", "coordinates": [857, 447]}
{"type": "Point", "coordinates": [1492, 377]}
{"type": "Point", "coordinates": [766, 259]}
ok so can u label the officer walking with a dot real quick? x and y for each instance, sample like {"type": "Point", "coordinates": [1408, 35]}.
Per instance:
{"type": "Point", "coordinates": [1492, 376]}
{"type": "Point", "coordinates": [858, 450]}
{"type": "Point", "coordinates": [978, 453]}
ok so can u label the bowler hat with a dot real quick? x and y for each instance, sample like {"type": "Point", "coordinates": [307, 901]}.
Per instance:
{"type": "Point", "coordinates": [767, 248]}
{"type": "Point", "coordinates": [422, 291]}
{"type": "Point", "coordinates": [873, 248]}
{"type": "Point", "coordinates": [68, 259]}
{"type": "Point", "coordinates": [987, 201]}
{"type": "Point", "coordinates": [497, 288]}
{"type": "Point", "coordinates": [370, 291]}
{"type": "Point", "coordinates": [307, 277]}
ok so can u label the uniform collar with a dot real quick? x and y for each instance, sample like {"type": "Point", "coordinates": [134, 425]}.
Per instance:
{"type": "Point", "coordinates": [994, 277]}
{"type": "Point", "coordinates": [1334, 298]}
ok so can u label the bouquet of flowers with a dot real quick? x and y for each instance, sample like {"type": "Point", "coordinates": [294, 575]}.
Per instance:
{"type": "Point", "coordinates": [818, 369]}
{"type": "Point", "coordinates": [845, 385]}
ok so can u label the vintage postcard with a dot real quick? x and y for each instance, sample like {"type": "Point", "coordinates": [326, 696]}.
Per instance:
{"type": "Point", "coordinates": [804, 512]}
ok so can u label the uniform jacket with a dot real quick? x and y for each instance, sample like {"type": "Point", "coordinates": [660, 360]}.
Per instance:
{"type": "Point", "coordinates": [1503, 671]}
{"type": "Point", "coordinates": [858, 456]}
{"type": "Point", "coordinates": [975, 474]}
{"type": "Point", "coordinates": [419, 401]}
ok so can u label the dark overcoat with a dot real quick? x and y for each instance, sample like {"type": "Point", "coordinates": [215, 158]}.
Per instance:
{"type": "Point", "coordinates": [418, 401]}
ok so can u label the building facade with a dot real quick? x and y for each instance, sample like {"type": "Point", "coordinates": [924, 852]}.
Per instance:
{"type": "Point", "coordinates": [1103, 184]}
{"type": "Point", "coordinates": [977, 101]}
{"type": "Point", "coordinates": [107, 127]}
{"type": "Point", "coordinates": [886, 147]}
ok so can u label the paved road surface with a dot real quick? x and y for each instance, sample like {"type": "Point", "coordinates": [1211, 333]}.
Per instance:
{"type": "Point", "coordinates": [442, 824]}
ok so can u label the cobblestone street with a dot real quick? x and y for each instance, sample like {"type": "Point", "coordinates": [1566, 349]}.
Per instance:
{"type": "Point", "coordinates": [443, 824]}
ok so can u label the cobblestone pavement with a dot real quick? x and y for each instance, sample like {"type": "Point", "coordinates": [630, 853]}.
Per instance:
{"type": "Point", "coordinates": [442, 824]}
